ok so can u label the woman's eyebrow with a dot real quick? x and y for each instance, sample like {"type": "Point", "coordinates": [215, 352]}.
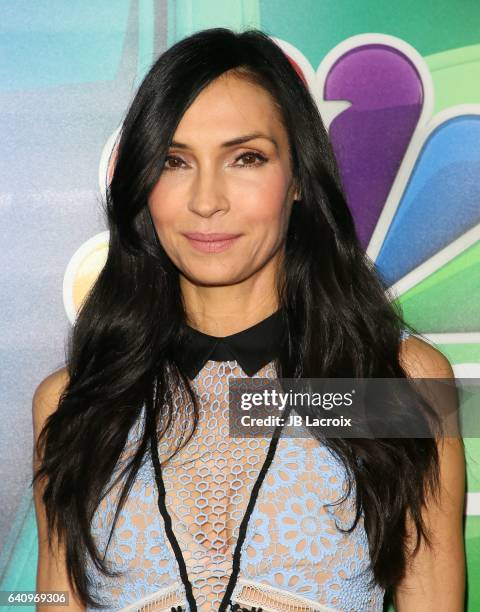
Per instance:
{"type": "Point", "coordinates": [233, 142]}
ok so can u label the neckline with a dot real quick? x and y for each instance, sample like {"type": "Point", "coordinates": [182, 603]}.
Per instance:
{"type": "Point", "coordinates": [252, 329]}
{"type": "Point", "coordinates": [252, 347]}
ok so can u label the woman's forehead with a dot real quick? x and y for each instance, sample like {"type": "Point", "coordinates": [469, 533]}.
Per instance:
{"type": "Point", "coordinates": [228, 109]}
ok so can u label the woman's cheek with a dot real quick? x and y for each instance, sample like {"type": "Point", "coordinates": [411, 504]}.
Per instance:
{"type": "Point", "coordinates": [165, 213]}
{"type": "Point", "coordinates": [274, 195]}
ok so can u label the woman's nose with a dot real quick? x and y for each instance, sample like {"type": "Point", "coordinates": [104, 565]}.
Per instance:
{"type": "Point", "coordinates": [208, 194]}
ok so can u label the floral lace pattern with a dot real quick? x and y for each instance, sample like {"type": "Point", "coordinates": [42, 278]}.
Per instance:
{"type": "Point", "coordinates": [293, 550]}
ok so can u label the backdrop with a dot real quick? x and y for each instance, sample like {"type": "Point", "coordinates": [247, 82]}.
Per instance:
{"type": "Point", "coordinates": [398, 87]}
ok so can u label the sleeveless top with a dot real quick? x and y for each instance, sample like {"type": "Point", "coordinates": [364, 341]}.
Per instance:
{"type": "Point", "coordinates": [292, 558]}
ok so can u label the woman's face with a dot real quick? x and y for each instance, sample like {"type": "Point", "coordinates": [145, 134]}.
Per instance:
{"type": "Point", "coordinates": [211, 184]}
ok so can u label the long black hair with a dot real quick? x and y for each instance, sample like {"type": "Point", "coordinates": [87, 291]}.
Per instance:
{"type": "Point", "coordinates": [339, 318]}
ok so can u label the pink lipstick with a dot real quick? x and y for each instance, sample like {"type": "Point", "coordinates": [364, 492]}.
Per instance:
{"type": "Point", "coordinates": [211, 243]}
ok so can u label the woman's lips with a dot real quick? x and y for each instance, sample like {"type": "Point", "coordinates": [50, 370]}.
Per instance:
{"type": "Point", "coordinates": [211, 243]}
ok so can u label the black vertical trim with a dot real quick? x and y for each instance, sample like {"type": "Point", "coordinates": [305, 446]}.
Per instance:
{"type": "Point", "coordinates": [168, 521]}
{"type": "Point", "coordinates": [243, 526]}
{"type": "Point", "coordinates": [251, 504]}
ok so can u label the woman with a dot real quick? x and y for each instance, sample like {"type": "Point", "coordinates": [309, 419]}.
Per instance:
{"type": "Point", "coordinates": [233, 254]}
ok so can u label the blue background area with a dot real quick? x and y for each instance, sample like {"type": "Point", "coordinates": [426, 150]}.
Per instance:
{"type": "Point", "coordinates": [52, 43]}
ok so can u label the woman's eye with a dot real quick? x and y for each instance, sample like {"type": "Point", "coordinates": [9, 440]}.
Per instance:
{"type": "Point", "coordinates": [255, 156]}
{"type": "Point", "coordinates": [250, 160]}
{"type": "Point", "coordinates": [177, 161]}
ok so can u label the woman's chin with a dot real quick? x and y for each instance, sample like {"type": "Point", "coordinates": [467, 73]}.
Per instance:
{"type": "Point", "coordinates": [213, 277]}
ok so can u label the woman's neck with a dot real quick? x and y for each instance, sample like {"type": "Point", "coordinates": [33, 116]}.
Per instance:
{"type": "Point", "coordinates": [223, 317]}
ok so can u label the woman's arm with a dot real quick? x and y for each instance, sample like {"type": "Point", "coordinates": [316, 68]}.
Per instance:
{"type": "Point", "coordinates": [51, 568]}
{"type": "Point", "coordinates": [435, 579]}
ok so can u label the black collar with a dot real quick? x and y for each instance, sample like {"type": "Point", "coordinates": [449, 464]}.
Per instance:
{"type": "Point", "coordinates": [252, 348]}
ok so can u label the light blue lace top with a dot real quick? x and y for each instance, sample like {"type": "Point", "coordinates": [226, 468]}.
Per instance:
{"type": "Point", "coordinates": [293, 557]}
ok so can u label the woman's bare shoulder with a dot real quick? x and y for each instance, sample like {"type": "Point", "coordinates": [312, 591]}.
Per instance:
{"type": "Point", "coordinates": [422, 360]}
{"type": "Point", "coordinates": [47, 395]}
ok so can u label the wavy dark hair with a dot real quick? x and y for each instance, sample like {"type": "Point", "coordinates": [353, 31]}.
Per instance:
{"type": "Point", "coordinates": [339, 318]}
